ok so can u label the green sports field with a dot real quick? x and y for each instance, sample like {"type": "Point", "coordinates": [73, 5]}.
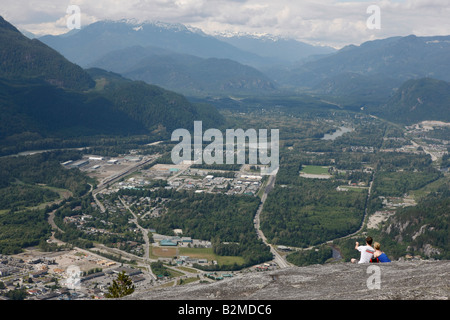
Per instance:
{"type": "Point", "coordinates": [315, 170]}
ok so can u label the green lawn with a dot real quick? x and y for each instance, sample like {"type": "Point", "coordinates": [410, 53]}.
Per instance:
{"type": "Point", "coordinates": [207, 253]}
{"type": "Point", "coordinates": [315, 170]}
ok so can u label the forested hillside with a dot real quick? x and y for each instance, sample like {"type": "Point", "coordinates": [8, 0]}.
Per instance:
{"type": "Point", "coordinates": [416, 101]}
{"type": "Point", "coordinates": [152, 106]}
{"type": "Point", "coordinates": [45, 100]}
{"type": "Point", "coordinates": [22, 58]}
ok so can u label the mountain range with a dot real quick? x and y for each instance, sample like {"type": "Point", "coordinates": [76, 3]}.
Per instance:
{"type": "Point", "coordinates": [180, 58]}
{"type": "Point", "coordinates": [276, 50]}
{"type": "Point", "coordinates": [185, 73]}
{"type": "Point", "coordinates": [376, 73]}
{"type": "Point", "coordinates": [43, 96]}
{"type": "Point", "coordinates": [132, 70]}
{"type": "Point", "coordinates": [185, 59]}
{"type": "Point", "coordinates": [89, 44]}
{"type": "Point", "coordinates": [395, 59]}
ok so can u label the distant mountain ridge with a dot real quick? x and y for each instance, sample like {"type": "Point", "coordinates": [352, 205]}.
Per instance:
{"type": "Point", "coordinates": [395, 58]}
{"type": "Point", "coordinates": [155, 108]}
{"type": "Point", "coordinates": [97, 39]}
{"type": "Point", "coordinates": [106, 36]}
{"type": "Point", "coordinates": [173, 53]}
{"type": "Point", "coordinates": [280, 50]}
{"type": "Point", "coordinates": [184, 73]}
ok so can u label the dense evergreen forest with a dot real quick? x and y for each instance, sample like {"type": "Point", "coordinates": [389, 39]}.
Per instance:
{"type": "Point", "coordinates": [19, 230]}
{"type": "Point", "coordinates": [433, 215]}
{"type": "Point", "coordinates": [319, 255]}
{"type": "Point", "coordinates": [303, 212]}
{"type": "Point", "coordinates": [43, 168]}
{"type": "Point", "coordinates": [310, 213]}
{"type": "Point", "coordinates": [22, 181]}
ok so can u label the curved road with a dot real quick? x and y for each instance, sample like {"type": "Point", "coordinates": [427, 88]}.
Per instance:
{"type": "Point", "coordinates": [278, 259]}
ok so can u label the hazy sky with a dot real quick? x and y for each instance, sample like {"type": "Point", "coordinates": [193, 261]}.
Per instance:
{"type": "Point", "coordinates": [328, 22]}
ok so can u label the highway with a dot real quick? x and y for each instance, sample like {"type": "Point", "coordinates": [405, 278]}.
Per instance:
{"type": "Point", "coordinates": [278, 259]}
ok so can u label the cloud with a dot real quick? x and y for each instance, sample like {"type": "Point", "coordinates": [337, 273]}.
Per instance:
{"type": "Point", "coordinates": [332, 22]}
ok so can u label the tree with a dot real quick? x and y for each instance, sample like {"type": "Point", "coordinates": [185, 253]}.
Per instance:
{"type": "Point", "coordinates": [121, 287]}
{"type": "Point", "coordinates": [16, 294]}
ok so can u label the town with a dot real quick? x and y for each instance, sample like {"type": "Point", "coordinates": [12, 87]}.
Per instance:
{"type": "Point", "coordinates": [134, 188]}
{"type": "Point", "coordinates": [45, 275]}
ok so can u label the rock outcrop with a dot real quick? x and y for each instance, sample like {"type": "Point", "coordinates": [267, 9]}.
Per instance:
{"type": "Point", "coordinates": [400, 280]}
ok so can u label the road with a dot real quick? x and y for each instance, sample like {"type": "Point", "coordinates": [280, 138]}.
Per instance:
{"type": "Point", "coordinates": [147, 247]}
{"type": "Point", "coordinates": [278, 259]}
{"type": "Point", "coordinates": [144, 235]}
{"type": "Point", "coordinates": [432, 155]}
{"type": "Point", "coordinates": [51, 216]}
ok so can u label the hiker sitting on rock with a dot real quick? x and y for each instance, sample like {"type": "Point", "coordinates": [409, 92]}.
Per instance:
{"type": "Point", "coordinates": [379, 256]}
{"type": "Point", "coordinates": [366, 251]}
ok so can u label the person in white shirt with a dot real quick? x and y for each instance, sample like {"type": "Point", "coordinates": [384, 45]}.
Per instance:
{"type": "Point", "coordinates": [366, 251]}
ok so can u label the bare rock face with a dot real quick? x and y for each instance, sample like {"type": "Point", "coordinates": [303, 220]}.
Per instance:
{"type": "Point", "coordinates": [400, 280]}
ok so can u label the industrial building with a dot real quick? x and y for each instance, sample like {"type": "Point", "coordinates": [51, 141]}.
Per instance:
{"type": "Point", "coordinates": [79, 163]}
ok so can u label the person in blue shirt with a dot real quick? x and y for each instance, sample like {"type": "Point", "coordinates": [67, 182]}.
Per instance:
{"type": "Point", "coordinates": [379, 256]}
